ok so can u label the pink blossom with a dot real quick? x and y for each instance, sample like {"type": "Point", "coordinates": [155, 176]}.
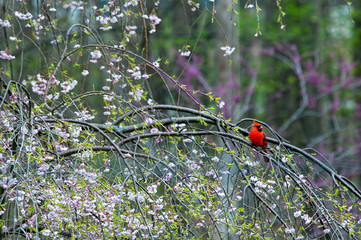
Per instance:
{"type": "Point", "coordinates": [84, 115]}
{"type": "Point", "coordinates": [102, 20]}
{"type": "Point", "coordinates": [158, 207]}
{"type": "Point", "coordinates": [4, 55]}
{"type": "Point", "coordinates": [21, 16]}
{"type": "Point", "coordinates": [152, 189]}
{"type": "Point", "coordinates": [199, 224]}
{"type": "Point", "coordinates": [5, 23]}
{"type": "Point", "coordinates": [238, 198]}
{"type": "Point", "coordinates": [149, 121]}
{"type": "Point", "coordinates": [131, 29]}
{"type": "Point", "coordinates": [39, 86]}
{"type": "Point", "coordinates": [96, 54]}
{"type": "Point", "coordinates": [154, 19]}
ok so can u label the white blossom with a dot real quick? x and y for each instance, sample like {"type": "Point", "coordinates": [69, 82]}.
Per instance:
{"type": "Point", "coordinates": [227, 50]}
{"type": "Point", "coordinates": [297, 213]}
{"type": "Point", "coordinates": [221, 104]}
{"type": "Point", "coordinates": [85, 72]}
{"type": "Point", "coordinates": [96, 54]}
{"type": "Point", "coordinates": [46, 232]}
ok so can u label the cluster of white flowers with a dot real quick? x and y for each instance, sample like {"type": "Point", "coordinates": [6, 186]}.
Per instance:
{"type": "Point", "coordinates": [131, 29]}
{"type": "Point", "coordinates": [250, 163]}
{"type": "Point", "coordinates": [154, 19]}
{"type": "Point", "coordinates": [254, 179]}
{"type": "Point", "coordinates": [12, 38]}
{"type": "Point", "coordinates": [211, 173]}
{"type": "Point", "coordinates": [88, 176]}
{"type": "Point", "coordinates": [96, 54]}
{"type": "Point", "coordinates": [136, 73]}
{"type": "Point", "coordinates": [284, 159]}
{"type": "Point", "coordinates": [39, 85]}
{"type": "Point", "coordinates": [84, 115]}
{"type": "Point", "coordinates": [22, 16]}
{"type": "Point", "coordinates": [184, 53]}
{"type": "Point", "coordinates": [306, 218]}
{"type": "Point", "coordinates": [137, 94]}
{"type": "Point", "coordinates": [68, 86]}
{"type": "Point", "coordinates": [194, 6]}
{"type": "Point", "coordinates": [108, 98]}
{"type": "Point", "coordinates": [105, 20]}
{"type": "Point", "coordinates": [290, 230]}
{"type": "Point", "coordinates": [131, 3]}
{"type": "Point", "coordinates": [4, 55]}
{"type": "Point", "coordinates": [74, 4]}
{"type": "Point", "coordinates": [4, 23]}
{"type": "Point", "coordinates": [152, 188]}
{"type": "Point", "coordinates": [221, 104]}
{"type": "Point", "coordinates": [7, 182]}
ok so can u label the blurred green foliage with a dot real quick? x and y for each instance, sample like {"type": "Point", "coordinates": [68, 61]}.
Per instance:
{"type": "Point", "coordinates": [320, 36]}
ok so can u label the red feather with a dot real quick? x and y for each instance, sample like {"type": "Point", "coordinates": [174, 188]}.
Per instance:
{"type": "Point", "coordinates": [258, 138]}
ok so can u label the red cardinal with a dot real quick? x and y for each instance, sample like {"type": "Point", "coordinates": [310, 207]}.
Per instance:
{"type": "Point", "coordinates": [258, 138]}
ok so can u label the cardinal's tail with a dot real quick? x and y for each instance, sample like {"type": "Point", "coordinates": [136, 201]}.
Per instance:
{"type": "Point", "coordinates": [265, 158]}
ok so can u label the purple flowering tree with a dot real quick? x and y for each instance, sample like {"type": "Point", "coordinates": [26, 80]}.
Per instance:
{"type": "Point", "coordinates": [88, 151]}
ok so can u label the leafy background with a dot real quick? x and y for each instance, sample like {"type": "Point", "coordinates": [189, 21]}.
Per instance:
{"type": "Point", "coordinates": [129, 119]}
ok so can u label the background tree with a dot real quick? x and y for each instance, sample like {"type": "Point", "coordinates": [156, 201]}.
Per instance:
{"type": "Point", "coordinates": [112, 125]}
